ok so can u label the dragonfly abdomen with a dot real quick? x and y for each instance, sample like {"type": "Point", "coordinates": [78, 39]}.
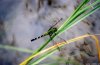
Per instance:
{"type": "Point", "coordinates": [38, 37]}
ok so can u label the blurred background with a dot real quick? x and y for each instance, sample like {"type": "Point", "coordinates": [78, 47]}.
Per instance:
{"type": "Point", "coordinates": [23, 20]}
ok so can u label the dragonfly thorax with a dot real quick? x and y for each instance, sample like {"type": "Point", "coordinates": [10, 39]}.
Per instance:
{"type": "Point", "coordinates": [52, 31]}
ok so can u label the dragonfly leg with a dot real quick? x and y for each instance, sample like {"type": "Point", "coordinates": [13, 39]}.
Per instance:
{"type": "Point", "coordinates": [54, 43]}
{"type": "Point", "coordinates": [62, 39]}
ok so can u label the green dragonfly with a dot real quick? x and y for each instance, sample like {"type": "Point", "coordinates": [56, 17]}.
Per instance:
{"type": "Point", "coordinates": [50, 32]}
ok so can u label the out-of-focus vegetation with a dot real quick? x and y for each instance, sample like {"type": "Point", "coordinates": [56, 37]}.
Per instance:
{"type": "Point", "coordinates": [81, 12]}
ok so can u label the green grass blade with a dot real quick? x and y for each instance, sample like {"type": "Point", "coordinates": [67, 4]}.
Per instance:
{"type": "Point", "coordinates": [82, 11]}
{"type": "Point", "coordinates": [15, 49]}
{"type": "Point", "coordinates": [81, 18]}
{"type": "Point", "coordinates": [75, 16]}
{"type": "Point", "coordinates": [75, 12]}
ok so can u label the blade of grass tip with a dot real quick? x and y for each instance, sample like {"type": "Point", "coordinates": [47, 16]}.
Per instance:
{"type": "Point", "coordinates": [80, 18]}
{"type": "Point", "coordinates": [15, 49]}
{"type": "Point", "coordinates": [75, 12]}
{"type": "Point", "coordinates": [53, 48]}
{"type": "Point", "coordinates": [81, 12]}
{"type": "Point", "coordinates": [77, 15]}
{"type": "Point", "coordinates": [79, 7]}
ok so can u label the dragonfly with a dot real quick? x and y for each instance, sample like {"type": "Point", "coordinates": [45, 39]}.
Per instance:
{"type": "Point", "coordinates": [50, 32]}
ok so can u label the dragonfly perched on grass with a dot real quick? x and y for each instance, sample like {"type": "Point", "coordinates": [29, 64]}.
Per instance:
{"type": "Point", "coordinates": [50, 32]}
